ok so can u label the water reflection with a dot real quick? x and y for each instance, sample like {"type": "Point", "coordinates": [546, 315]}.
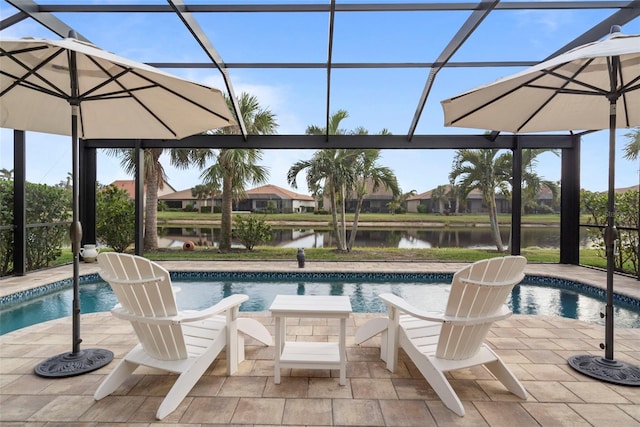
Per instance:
{"type": "Point", "coordinates": [443, 237]}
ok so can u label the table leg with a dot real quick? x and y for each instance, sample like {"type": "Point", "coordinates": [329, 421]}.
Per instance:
{"type": "Point", "coordinates": [343, 351]}
{"type": "Point", "coordinates": [279, 346]}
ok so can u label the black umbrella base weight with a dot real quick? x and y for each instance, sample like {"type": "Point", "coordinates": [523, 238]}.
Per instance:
{"type": "Point", "coordinates": [611, 371]}
{"type": "Point", "coordinates": [72, 364]}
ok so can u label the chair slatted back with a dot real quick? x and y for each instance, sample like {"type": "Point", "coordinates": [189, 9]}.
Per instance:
{"type": "Point", "coordinates": [148, 300]}
{"type": "Point", "coordinates": [495, 278]}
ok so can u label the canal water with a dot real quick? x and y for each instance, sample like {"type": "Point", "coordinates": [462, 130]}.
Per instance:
{"type": "Point", "coordinates": [441, 237]}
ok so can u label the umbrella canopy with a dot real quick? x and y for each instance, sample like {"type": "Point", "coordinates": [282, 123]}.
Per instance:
{"type": "Point", "coordinates": [592, 87]}
{"type": "Point", "coordinates": [118, 98]}
{"type": "Point", "coordinates": [69, 87]}
{"type": "Point", "coordinates": [568, 92]}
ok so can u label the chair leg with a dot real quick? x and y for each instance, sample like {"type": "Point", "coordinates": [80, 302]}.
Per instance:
{"type": "Point", "coordinates": [372, 328]}
{"type": "Point", "coordinates": [506, 377]}
{"type": "Point", "coordinates": [182, 386]}
{"type": "Point", "coordinates": [120, 374]}
{"type": "Point", "coordinates": [436, 379]}
{"type": "Point", "coordinates": [445, 392]}
{"type": "Point", "coordinates": [254, 329]}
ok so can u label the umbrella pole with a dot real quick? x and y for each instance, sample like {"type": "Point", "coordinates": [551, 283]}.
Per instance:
{"type": "Point", "coordinates": [607, 368]}
{"type": "Point", "coordinates": [77, 362]}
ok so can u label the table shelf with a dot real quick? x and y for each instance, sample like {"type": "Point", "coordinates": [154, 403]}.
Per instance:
{"type": "Point", "coordinates": [324, 355]}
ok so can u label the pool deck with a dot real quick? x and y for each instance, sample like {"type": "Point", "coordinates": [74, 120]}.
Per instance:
{"type": "Point", "coordinates": [535, 348]}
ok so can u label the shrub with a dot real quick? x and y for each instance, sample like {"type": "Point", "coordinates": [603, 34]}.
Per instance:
{"type": "Point", "coordinates": [44, 205]}
{"type": "Point", "coordinates": [115, 218]}
{"type": "Point", "coordinates": [251, 230]}
{"type": "Point", "coordinates": [271, 207]}
{"type": "Point", "coordinates": [626, 215]}
{"type": "Point", "coordinates": [545, 209]}
{"type": "Point", "coordinates": [421, 208]}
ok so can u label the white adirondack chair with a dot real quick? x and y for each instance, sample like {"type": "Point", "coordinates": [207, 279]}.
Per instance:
{"type": "Point", "coordinates": [184, 342]}
{"type": "Point", "coordinates": [440, 342]}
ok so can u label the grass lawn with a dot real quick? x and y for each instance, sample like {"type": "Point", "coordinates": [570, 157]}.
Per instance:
{"type": "Point", "coordinates": [437, 219]}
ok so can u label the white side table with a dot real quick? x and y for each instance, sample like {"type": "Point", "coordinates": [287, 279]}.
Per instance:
{"type": "Point", "coordinates": [310, 355]}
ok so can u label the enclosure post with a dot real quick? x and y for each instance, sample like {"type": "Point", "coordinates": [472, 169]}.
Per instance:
{"type": "Point", "coordinates": [19, 204]}
{"type": "Point", "coordinates": [570, 204]}
{"type": "Point", "coordinates": [88, 193]}
{"type": "Point", "coordinates": [516, 199]}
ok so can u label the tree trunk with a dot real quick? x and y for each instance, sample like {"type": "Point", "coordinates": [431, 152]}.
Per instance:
{"type": "Point", "coordinates": [493, 219]}
{"type": "Point", "coordinates": [150, 242]}
{"type": "Point", "coordinates": [334, 219]}
{"type": "Point", "coordinates": [227, 207]}
{"type": "Point", "coordinates": [343, 220]}
{"type": "Point", "coordinates": [354, 227]}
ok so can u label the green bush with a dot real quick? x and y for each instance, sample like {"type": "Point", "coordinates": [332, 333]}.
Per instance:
{"type": "Point", "coordinates": [44, 205]}
{"type": "Point", "coordinates": [251, 230]}
{"type": "Point", "coordinates": [115, 218]}
{"type": "Point", "coordinates": [626, 215]}
{"type": "Point", "coordinates": [421, 208]}
{"type": "Point", "coordinates": [544, 209]}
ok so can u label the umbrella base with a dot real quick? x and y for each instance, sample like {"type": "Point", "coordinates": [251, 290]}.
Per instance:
{"type": "Point", "coordinates": [72, 364]}
{"type": "Point", "coordinates": [612, 371]}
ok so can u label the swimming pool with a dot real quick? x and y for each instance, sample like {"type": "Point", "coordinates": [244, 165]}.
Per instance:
{"type": "Point", "coordinates": [536, 295]}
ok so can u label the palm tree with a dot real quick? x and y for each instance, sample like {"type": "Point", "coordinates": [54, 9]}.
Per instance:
{"type": "Point", "coordinates": [488, 172]}
{"type": "Point", "coordinates": [632, 149]}
{"type": "Point", "coordinates": [6, 174]}
{"type": "Point", "coordinates": [340, 171]}
{"type": "Point", "coordinates": [400, 201]}
{"type": "Point", "coordinates": [331, 170]}
{"type": "Point", "coordinates": [154, 179]}
{"type": "Point", "coordinates": [234, 168]}
{"type": "Point", "coordinates": [439, 196]}
{"type": "Point", "coordinates": [204, 192]}
{"type": "Point", "coordinates": [532, 182]}
{"type": "Point", "coordinates": [370, 173]}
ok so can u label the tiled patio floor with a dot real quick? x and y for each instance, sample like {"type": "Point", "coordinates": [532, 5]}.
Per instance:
{"type": "Point", "coordinates": [536, 349]}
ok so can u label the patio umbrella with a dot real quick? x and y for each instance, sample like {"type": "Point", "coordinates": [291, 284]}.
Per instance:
{"type": "Point", "coordinates": [69, 87]}
{"type": "Point", "coordinates": [592, 87]}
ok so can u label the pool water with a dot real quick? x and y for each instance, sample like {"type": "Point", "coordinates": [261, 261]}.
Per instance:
{"type": "Point", "coordinates": [96, 296]}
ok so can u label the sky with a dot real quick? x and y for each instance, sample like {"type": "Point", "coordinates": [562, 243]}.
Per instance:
{"type": "Point", "coordinates": [374, 99]}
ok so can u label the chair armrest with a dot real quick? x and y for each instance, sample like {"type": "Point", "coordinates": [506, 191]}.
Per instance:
{"type": "Point", "coordinates": [402, 305]}
{"type": "Point", "coordinates": [512, 281]}
{"type": "Point", "coordinates": [435, 316]}
{"type": "Point", "coordinates": [132, 281]}
{"type": "Point", "coordinates": [226, 304]}
{"type": "Point", "coordinates": [184, 316]}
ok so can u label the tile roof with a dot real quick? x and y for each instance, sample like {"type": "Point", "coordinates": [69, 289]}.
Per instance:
{"type": "Point", "coordinates": [129, 185]}
{"type": "Point", "coordinates": [279, 192]}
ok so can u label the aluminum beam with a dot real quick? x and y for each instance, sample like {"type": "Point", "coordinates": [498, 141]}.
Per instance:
{"type": "Point", "coordinates": [196, 31]}
{"type": "Point", "coordinates": [600, 30]}
{"type": "Point", "coordinates": [46, 19]}
{"type": "Point", "coordinates": [485, 7]}
{"type": "Point", "coordinates": [304, 142]}
{"type": "Point", "coordinates": [345, 65]}
{"type": "Point", "coordinates": [344, 7]}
